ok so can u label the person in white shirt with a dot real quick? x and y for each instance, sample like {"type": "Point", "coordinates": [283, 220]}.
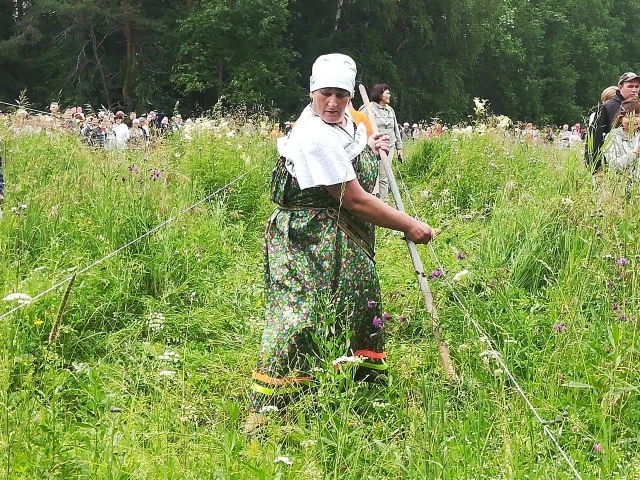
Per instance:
{"type": "Point", "coordinates": [120, 130]}
{"type": "Point", "coordinates": [622, 144]}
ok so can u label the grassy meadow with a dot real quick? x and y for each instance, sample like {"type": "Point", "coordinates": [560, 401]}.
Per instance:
{"type": "Point", "coordinates": [148, 371]}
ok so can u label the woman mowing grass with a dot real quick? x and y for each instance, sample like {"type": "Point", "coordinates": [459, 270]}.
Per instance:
{"type": "Point", "coordinates": [319, 243]}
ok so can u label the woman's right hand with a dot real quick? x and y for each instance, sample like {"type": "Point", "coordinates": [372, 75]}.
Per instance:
{"type": "Point", "coordinates": [420, 232]}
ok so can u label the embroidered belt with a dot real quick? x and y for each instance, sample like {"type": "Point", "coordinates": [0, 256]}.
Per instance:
{"type": "Point", "coordinates": [345, 223]}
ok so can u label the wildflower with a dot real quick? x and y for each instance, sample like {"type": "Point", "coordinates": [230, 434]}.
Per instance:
{"type": "Point", "coordinates": [347, 359]}
{"type": "Point", "coordinates": [622, 317]}
{"type": "Point", "coordinates": [268, 408]}
{"type": "Point", "coordinates": [597, 448]}
{"type": "Point", "coordinates": [622, 261]}
{"type": "Point", "coordinates": [155, 175]}
{"type": "Point", "coordinates": [615, 307]}
{"type": "Point", "coordinates": [379, 404]}
{"type": "Point", "coordinates": [21, 298]}
{"type": "Point", "coordinates": [285, 460]}
{"type": "Point", "coordinates": [460, 274]}
{"type": "Point", "coordinates": [487, 354]}
{"type": "Point", "coordinates": [566, 201]}
{"type": "Point", "coordinates": [79, 367]}
{"type": "Point", "coordinates": [169, 356]}
{"type": "Point", "coordinates": [166, 373]}
{"type": "Point", "coordinates": [444, 193]}
{"type": "Point", "coordinates": [124, 179]}
{"type": "Point", "coordinates": [377, 322]}
{"type": "Point", "coordinates": [436, 274]}
{"type": "Point", "coordinates": [575, 428]}
{"type": "Point", "coordinates": [22, 206]}
{"type": "Point", "coordinates": [385, 317]}
{"type": "Point", "coordinates": [497, 372]}
{"type": "Point", "coordinates": [155, 321]}
{"type": "Point", "coordinates": [371, 303]}
{"type": "Point", "coordinates": [402, 319]}
{"type": "Point", "coordinates": [558, 327]}
{"type": "Point", "coordinates": [460, 256]}
{"type": "Point", "coordinates": [38, 322]}
{"type": "Point", "coordinates": [611, 285]}
{"type": "Point", "coordinates": [307, 443]}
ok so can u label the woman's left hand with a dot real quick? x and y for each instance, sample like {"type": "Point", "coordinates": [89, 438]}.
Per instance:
{"type": "Point", "coordinates": [378, 142]}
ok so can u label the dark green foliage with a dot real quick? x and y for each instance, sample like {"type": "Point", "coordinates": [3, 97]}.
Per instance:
{"type": "Point", "coordinates": [545, 61]}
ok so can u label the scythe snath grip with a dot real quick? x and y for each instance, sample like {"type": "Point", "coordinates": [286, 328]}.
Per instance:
{"type": "Point", "coordinates": [445, 357]}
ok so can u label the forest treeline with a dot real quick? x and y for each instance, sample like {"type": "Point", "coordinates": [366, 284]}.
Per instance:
{"type": "Point", "coordinates": [540, 60]}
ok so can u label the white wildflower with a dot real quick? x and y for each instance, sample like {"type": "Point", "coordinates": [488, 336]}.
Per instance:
{"type": "Point", "coordinates": [307, 443]}
{"type": "Point", "coordinates": [346, 359]}
{"type": "Point", "coordinates": [169, 356]}
{"type": "Point", "coordinates": [489, 354]}
{"type": "Point", "coordinates": [425, 193]}
{"type": "Point", "coordinates": [444, 193]}
{"type": "Point", "coordinates": [21, 298]}
{"type": "Point", "coordinates": [511, 340]}
{"type": "Point", "coordinates": [480, 105]}
{"type": "Point", "coordinates": [188, 413]}
{"type": "Point", "coordinates": [566, 201]}
{"type": "Point", "coordinates": [155, 321]}
{"type": "Point", "coordinates": [79, 367]}
{"type": "Point", "coordinates": [285, 460]}
{"type": "Point", "coordinates": [460, 274]}
{"type": "Point", "coordinates": [379, 404]}
{"type": "Point", "coordinates": [268, 409]}
{"type": "Point", "coordinates": [166, 373]}
{"type": "Point", "coordinates": [231, 134]}
{"type": "Point", "coordinates": [22, 206]}
{"type": "Point", "coordinates": [498, 372]}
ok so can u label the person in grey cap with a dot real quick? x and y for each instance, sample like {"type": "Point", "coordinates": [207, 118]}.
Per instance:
{"type": "Point", "coordinates": [628, 87]}
{"type": "Point", "coordinates": [320, 276]}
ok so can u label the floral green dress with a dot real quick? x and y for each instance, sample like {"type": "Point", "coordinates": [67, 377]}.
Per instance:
{"type": "Point", "coordinates": [318, 265]}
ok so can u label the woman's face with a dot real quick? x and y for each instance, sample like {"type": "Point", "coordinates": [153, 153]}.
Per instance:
{"type": "Point", "coordinates": [385, 98]}
{"type": "Point", "coordinates": [330, 103]}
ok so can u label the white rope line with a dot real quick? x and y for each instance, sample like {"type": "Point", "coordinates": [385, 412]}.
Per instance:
{"type": "Point", "coordinates": [494, 352]}
{"type": "Point", "coordinates": [127, 245]}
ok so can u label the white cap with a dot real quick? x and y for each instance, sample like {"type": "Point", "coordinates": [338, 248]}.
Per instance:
{"type": "Point", "coordinates": [334, 70]}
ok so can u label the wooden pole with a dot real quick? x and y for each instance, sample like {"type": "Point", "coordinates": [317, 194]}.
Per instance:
{"type": "Point", "coordinates": [445, 356]}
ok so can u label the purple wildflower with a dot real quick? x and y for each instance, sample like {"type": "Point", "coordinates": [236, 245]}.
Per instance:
{"type": "Point", "coordinates": [611, 285]}
{"type": "Point", "coordinates": [371, 303]}
{"type": "Point", "coordinates": [597, 448]}
{"type": "Point", "coordinates": [155, 175]}
{"type": "Point", "coordinates": [377, 322]}
{"type": "Point", "coordinates": [385, 317]}
{"type": "Point", "coordinates": [402, 319]}
{"type": "Point", "coordinates": [615, 307]}
{"type": "Point", "coordinates": [134, 169]}
{"type": "Point", "coordinates": [436, 274]}
{"type": "Point", "coordinates": [622, 317]}
{"type": "Point", "coordinates": [558, 327]}
{"type": "Point", "coordinates": [460, 256]}
{"type": "Point", "coordinates": [622, 262]}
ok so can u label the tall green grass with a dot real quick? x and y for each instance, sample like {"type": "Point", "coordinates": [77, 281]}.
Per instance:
{"type": "Point", "coordinates": [121, 396]}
